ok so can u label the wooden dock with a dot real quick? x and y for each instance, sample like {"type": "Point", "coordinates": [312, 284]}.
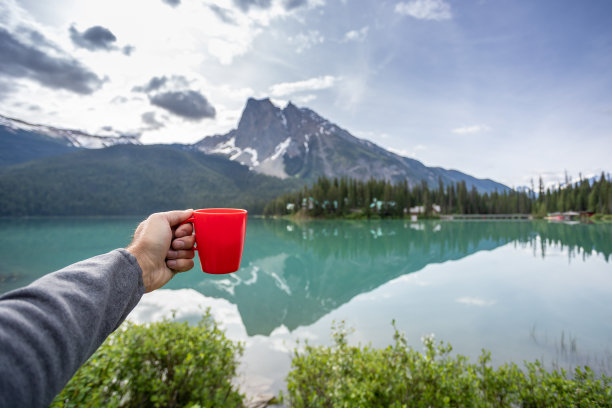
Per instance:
{"type": "Point", "coordinates": [486, 217]}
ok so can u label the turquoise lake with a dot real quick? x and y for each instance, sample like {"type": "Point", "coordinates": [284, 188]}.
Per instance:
{"type": "Point", "coordinates": [523, 290]}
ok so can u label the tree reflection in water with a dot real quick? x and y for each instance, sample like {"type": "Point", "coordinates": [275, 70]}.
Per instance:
{"type": "Point", "coordinates": [292, 274]}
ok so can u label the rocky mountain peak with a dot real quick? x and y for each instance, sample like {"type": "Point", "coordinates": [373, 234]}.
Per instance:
{"type": "Point", "coordinates": [291, 109]}
{"type": "Point", "coordinates": [257, 111]}
{"type": "Point", "coordinates": [298, 142]}
{"type": "Point", "coordinates": [261, 128]}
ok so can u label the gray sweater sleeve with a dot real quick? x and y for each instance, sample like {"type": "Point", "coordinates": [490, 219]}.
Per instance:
{"type": "Point", "coordinates": [49, 328]}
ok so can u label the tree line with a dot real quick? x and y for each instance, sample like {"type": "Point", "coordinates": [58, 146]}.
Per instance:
{"type": "Point", "coordinates": [347, 197]}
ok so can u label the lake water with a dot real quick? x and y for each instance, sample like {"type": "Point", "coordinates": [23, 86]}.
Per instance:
{"type": "Point", "coordinates": [523, 290]}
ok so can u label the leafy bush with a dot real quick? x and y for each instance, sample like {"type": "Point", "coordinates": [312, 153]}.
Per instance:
{"type": "Point", "coordinates": [164, 364]}
{"type": "Point", "coordinates": [398, 376]}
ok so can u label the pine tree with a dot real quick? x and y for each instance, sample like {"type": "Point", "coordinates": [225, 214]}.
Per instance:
{"type": "Point", "coordinates": [339, 196]}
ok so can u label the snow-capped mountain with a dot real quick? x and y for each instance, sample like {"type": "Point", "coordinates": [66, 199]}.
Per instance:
{"type": "Point", "coordinates": [74, 138]}
{"type": "Point", "coordinates": [297, 142]}
{"type": "Point", "coordinates": [292, 142]}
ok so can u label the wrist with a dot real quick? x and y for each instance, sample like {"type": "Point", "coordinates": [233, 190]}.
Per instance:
{"type": "Point", "coordinates": [145, 265]}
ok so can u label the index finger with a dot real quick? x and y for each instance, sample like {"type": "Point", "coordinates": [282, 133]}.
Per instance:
{"type": "Point", "coordinates": [176, 217]}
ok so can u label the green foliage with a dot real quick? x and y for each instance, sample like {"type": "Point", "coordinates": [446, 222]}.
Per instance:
{"type": "Point", "coordinates": [399, 376]}
{"type": "Point", "coordinates": [581, 196]}
{"type": "Point", "coordinates": [164, 364]}
{"type": "Point", "coordinates": [133, 180]}
{"type": "Point", "coordinates": [343, 197]}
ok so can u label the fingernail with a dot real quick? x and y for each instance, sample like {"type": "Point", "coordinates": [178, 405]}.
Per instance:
{"type": "Point", "coordinates": [171, 263]}
{"type": "Point", "coordinates": [179, 244]}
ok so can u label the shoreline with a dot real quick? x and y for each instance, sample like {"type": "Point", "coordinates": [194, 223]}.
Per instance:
{"type": "Point", "coordinates": [301, 217]}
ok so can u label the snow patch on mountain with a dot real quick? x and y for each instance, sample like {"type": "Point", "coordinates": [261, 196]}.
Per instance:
{"type": "Point", "coordinates": [74, 138]}
{"type": "Point", "coordinates": [281, 149]}
{"type": "Point", "coordinates": [247, 156]}
{"type": "Point", "coordinates": [274, 165]}
{"type": "Point", "coordinates": [253, 153]}
{"type": "Point", "coordinates": [228, 148]}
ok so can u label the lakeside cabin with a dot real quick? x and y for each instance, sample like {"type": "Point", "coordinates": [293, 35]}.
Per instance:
{"type": "Point", "coordinates": [420, 210]}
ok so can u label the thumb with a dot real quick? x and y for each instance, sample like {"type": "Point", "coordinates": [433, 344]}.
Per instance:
{"type": "Point", "coordinates": [178, 216]}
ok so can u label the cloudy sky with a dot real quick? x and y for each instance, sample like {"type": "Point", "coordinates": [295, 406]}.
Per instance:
{"type": "Point", "coordinates": [505, 89]}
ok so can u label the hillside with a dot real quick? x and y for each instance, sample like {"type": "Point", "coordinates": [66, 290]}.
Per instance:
{"type": "Point", "coordinates": [18, 146]}
{"type": "Point", "coordinates": [132, 179]}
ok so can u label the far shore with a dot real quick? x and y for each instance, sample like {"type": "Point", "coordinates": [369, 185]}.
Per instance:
{"type": "Point", "coordinates": [303, 216]}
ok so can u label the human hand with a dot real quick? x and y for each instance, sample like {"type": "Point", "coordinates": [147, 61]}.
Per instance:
{"type": "Point", "coordinates": [163, 247]}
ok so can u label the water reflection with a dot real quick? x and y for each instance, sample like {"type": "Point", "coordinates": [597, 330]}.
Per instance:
{"type": "Point", "coordinates": [293, 274]}
{"type": "Point", "coordinates": [568, 352]}
{"type": "Point", "coordinates": [523, 290]}
{"type": "Point", "coordinates": [581, 240]}
{"type": "Point", "coordinates": [34, 246]}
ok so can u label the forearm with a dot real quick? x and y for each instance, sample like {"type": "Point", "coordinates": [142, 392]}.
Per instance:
{"type": "Point", "coordinates": [51, 327]}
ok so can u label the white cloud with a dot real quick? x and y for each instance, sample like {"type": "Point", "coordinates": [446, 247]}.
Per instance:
{"type": "Point", "coordinates": [11, 14]}
{"type": "Point", "coordinates": [192, 37]}
{"type": "Point", "coordinates": [410, 153]}
{"type": "Point", "coordinates": [555, 179]}
{"type": "Point", "coordinates": [303, 100]}
{"type": "Point", "coordinates": [437, 10]}
{"type": "Point", "coordinates": [468, 130]}
{"type": "Point", "coordinates": [400, 152]}
{"type": "Point", "coordinates": [357, 35]}
{"type": "Point", "coordinates": [371, 135]}
{"type": "Point", "coordinates": [276, 101]}
{"type": "Point", "coordinates": [474, 301]}
{"type": "Point", "coordinates": [353, 89]}
{"type": "Point", "coordinates": [313, 84]}
{"type": "Point", "coordinates": [306, 41]}
{"type": "Point", "coordinates": [225, 51]}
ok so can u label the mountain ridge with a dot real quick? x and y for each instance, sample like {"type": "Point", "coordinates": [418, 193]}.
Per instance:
{"type": "Point", "coordinates": [292, 142]}
{"type": "Point", "coordinates": [298, 142]}
{"type": "Point", "coordinates": [76, 138]}
{"type": "Point", "coordinates": [21, 141]}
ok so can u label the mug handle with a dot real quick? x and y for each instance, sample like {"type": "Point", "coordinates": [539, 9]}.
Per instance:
{"type": "Point", "coordinates": [187, 221]}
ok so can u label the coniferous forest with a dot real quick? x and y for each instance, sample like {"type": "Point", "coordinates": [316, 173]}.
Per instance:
{"type": "Point", "coordinates": [344, 197]}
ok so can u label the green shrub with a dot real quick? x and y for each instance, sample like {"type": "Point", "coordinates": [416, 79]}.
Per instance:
{"type": "Point", "coordinates": [398, 376]}
{"type": "Point", "coordinates": [164, 364]}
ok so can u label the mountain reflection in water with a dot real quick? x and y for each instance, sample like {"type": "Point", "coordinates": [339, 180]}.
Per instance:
{"type": "Point", "coordinates": [523, 290]}
{"type": "Point", "coordinates": [293, 274]}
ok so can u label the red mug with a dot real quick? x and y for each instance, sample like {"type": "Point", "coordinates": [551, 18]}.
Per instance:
{"type": "Point", "coordinates": [219, 234]}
